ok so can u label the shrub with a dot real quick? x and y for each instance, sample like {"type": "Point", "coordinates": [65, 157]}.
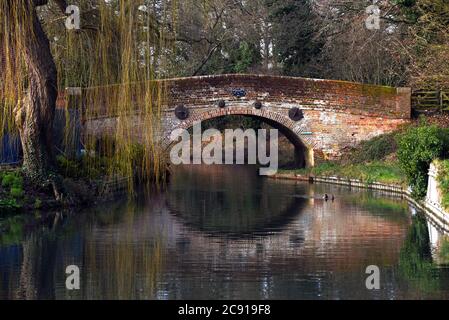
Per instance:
{"type": "Point", "coordinates": [85, 167]}
{"type": "Point", "coordinates": [16, 193]}
{"type": "Point", "coordinates": [7, 180]}
{"type": "Point", "coordinates": [375, 149]}
{"type": "Point", "coordinates": [417, 148]}
{"type": "Point", "coordinates": [12, 179]}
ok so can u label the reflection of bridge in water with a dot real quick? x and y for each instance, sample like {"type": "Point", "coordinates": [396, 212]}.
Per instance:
{"type": "Point", "coordinates": [310, 231]}
{"type": "Point", "coordinates": [222, 212]}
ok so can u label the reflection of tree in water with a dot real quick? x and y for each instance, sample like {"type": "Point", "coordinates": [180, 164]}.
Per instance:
{"type": "Point", "coordinates": [377, 204]}
{"type": "Point", "coordinates": [415, 262]}
{"type": "Point", "coordinates": [36, 276]}
{"type": "Point", "coordinates": [128, 269]}
{"type": "Point", "coordinates": [111, 266]}
{"type": "Point", "coordinates": [34, 251]}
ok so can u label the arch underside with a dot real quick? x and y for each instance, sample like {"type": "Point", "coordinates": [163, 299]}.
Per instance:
{"type": "Point", "coordinates": [304, 152]}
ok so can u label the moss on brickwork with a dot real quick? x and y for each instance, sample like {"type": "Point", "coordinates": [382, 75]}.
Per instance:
{"type": "Point", "coordinates": [378, 91]}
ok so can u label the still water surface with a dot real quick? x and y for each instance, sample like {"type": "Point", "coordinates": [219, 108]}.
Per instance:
{"type": "Point", "coordinates": [225, 233]}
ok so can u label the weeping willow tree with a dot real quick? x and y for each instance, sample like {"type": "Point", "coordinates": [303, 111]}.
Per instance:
{"type": "Point", "coordinates": [119, 51]}
{"type": "Point", "coordinates": [122, 48]}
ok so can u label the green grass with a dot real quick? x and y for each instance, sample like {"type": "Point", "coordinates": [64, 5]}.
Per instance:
{"type": "Point", "coordinates": [11, 180]}
{"type": "Point", "coordinates": [371, 161]}
{"type": "Point", "coordinates": [377, 171]}
{"type": "Point", "coordinates": [11, 190]}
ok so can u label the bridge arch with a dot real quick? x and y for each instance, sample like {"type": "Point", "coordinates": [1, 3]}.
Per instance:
{"type": "Point", "coordinates": [304, 151]}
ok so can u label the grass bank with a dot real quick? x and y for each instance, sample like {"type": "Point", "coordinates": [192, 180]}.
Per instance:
{"type": "Point", "coordinates": [377, 171]}
{"type": "Point", "coordinates": [371, 161]}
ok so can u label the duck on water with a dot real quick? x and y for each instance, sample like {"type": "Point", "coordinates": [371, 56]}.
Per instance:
{"type": "Point", "coordinates": [326, 197]}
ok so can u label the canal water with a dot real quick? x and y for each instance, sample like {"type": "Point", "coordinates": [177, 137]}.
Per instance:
{"type": "Point", "coordinates": [226, 233]}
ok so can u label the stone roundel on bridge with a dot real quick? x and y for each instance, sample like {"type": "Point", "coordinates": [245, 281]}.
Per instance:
{"type": "Point", "coordinates": [296, 114]}
{"type": "Point", "coordinates": [181, 112]}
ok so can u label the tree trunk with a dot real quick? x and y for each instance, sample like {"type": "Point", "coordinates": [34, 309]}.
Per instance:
{"type": "Point", "coordinates": [35, 115]}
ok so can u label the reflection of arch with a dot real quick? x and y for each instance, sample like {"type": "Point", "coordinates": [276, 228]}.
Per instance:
{"type": "Point", "coordinates": [216, 205]}
{"type": "Point", "coordinates": [280, 222]}
{"type": "Point", "coordinates": [304, 151]}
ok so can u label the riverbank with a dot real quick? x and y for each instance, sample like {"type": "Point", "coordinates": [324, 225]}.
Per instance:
{"type": "Point", "coordinates": [81, 186]}
{"type": "Point", "coordinates": [19, 195]}
{"type": "Point", "coordinates": [363, 176]}
{"type": "Point", "coordinates": [384, 172]}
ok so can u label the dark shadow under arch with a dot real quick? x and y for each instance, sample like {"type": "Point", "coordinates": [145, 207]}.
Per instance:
{"type": "Point", "coordinates": [303, 154]}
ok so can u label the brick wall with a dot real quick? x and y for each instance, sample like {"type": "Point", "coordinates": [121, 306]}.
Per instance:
{"type": "Point", "coordinates": [334, 95]}
{"type": "Point", "coordinates": [307, 93]}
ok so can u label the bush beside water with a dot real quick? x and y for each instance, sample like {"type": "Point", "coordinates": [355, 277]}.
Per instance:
{"type": "Point", "coordinates": [418, 147]}
{"type": "Point", "coordinates": [11, 191]}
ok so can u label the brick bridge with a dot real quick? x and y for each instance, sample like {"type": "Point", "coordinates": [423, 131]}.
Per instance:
{"type": "Point", "coordinates": [322, 118]}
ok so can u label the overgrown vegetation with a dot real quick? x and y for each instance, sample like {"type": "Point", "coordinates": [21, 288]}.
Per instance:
{"type": "Point", "coordinates": [377, 171]}
{"type": "Point", "coordinates": [11, 192]}
{"type": "Point", "coordinates": [376, 149]}
{"type": "Point", "coordinates": [418, 146]}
